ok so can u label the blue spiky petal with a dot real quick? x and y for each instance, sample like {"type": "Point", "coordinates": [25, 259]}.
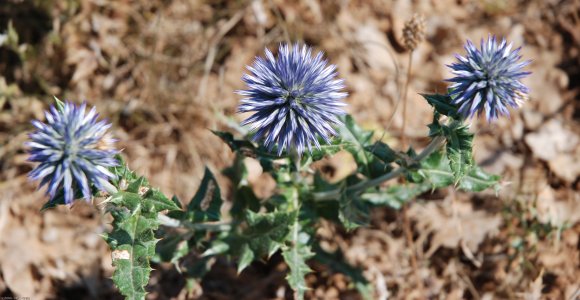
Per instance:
{"type": "Point", "coordinates": [295, 99]}
{"type": "Point", "coordinates": [74, 151]}
{"type": "Point", "coordinates": [488, 79]}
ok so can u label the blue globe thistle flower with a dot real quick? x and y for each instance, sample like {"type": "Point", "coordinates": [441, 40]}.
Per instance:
{"type": "Point", "coordinates": [488, 79]}
{"type": "Point", "coordinates": [74, 151]}
{"type": "Point", "coordinates": [295, 98]}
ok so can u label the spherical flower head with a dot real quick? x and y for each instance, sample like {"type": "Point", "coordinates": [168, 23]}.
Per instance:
{"type": "Point", "coordinates": [295, 98]}
{"type": "Point", "coordinates": [74, 150]}
{"type": "Point", "coordinates": [488, 79]}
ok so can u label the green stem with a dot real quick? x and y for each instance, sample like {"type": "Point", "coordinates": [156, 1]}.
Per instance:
{"type": "Point", "coordinates": [295, 158]}
{"type": "Point", "coordinates": [435, 144]}
{"type": "Point", "coordinates": [213, 226]}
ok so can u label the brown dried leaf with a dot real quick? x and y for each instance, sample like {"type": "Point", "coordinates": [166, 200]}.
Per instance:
{"type": "Point", "coordinates": [452, 223]}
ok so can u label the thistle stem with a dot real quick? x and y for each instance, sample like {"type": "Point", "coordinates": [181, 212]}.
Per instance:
{"type": "Point", "coordinates": [210, 226]}
{"type": "Point", "coordinates": [435, 144]}
{"type": "Point", "coordinates": [295, 159]}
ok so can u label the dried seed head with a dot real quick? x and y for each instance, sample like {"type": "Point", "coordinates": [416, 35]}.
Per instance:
{"type": "Point", "coordinates": [414, 31]}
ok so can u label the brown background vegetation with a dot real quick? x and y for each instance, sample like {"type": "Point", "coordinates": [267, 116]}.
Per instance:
{"type": "Point", "coordinates": [164, 72]}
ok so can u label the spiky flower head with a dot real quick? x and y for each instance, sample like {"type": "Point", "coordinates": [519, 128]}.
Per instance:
{"type": "Point", "coordinates": [488, 79]}
{"type": "Point", "coordinates": [295, 98]}
{"type": "Point", "coordinates": [74, 151]}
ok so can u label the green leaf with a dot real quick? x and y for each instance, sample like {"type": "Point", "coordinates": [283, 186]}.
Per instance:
{"type": "Point", "coordinates": [395, 196]}
{"type": "Point", "coordinates": [244, 147]}
{"type": "Point", "coordinates": [325, 150]}
{"type": "Point", "coordinates": [459, 147]}
{"type": "Point", "coordinates": [477, 180]}
{"type": "Point", "coordinates": [385, 156]}
{"type": "Point", "coordinates": [442, 104]}
{"type": "Point", "coordinates": [132, 239]}
{"type": "Point", "coordinates": [246, 258]}
{"type": "Point", "coordinates": [435, 172]}
{"type": "Point", "coordinates": [132, 243]}
{"type": "Point", "coordinates": [264, 234]}
{"type": "Point", "coordinates": [295, 255]}
{"type": "Point", "coordinates": [383, 152]}
{"type": "Point", "coordinates": [218, 246]}
{"type": "Point", "coordinates": [158, 201]}
{"type": "Point", "coordinates": [336, 261]}
{"type": "Point", "coordinates": [124, 175]}
{"type": "Point", "coordinates": [244, 199]}
{"type": "Point", "coordinates": [353, 212]}
{"type": "Point", "coordinates": [355, 141]}
{"type": "Point", "coordinates": [435, 128]}
{"type": "Point", "coordinates": [204, 207]}
{"type": "Point", "coordinates": [207, 202]}
{"type": "Point", "coordinates": [136, 185]}
{"type": "Point", "coordinates": [236, 145]}
{"type": "Point", "coordinates": [266, 231]}
{"type": "Point", "coordinates": [171, 248]}
{"type": "Point", "coordinates": [195, 270]}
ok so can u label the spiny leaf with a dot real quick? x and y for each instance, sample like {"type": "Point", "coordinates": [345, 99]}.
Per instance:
{"type": "Point", "coordinates": [442, 104]}
{"type": "Point", "coordinates": [235, 145]}
{"type": "Point", "coordinates": [246, 258]}
{"type": "Point", "coordinates": [325, 150]}
{"type": "Point", "coordinates": [355, 140]}
{"type": "Point", "coordinates": [243, 195]}
{"type": "Point", "coordinates": [206, 204]}
{"type": "Point", "coordinates": [132, 243]}
{"type": "Point", "coordinates": [196, 270]}
{"type": "Point", "coordinates": [436, 172]}
{"type": "Point", "coordinates": [204, 207]}
{"type": "Point", "coordinates": [435, 128]}
{"type": "Point", "coordinates": [136, 185]}
{"type": "Point", "coordinates": [458, 162]}
{"type": "Point", "coordinates": [395, 196]}
{"type": "Point", "coordinates": [218, 246]}
{"type": "Point", "coordinates": [171, 248]}
{"type": "Point", "coordinates": [244, 147]}
{"type": "Point", "coordinates": [158, 202]}
{"type": "Point", "coordinates": [336, 261]}
{"type": "Point", "coordinates": [132, 240]}
{"type": "Point", "coordinates": [264, 235]}
{"type": "Point", "coordinates": [295, 255]}
{"type": "Point", "coordinates": [477, 180]}
{"type": "Point", "coordinates": [459, 149]}
{"type": "Point", "coordinates": [383, 152]}
{"type": "Point", "coordinates": [266, 232]}
{"type": "Point", "coordinates": [353, 212]}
